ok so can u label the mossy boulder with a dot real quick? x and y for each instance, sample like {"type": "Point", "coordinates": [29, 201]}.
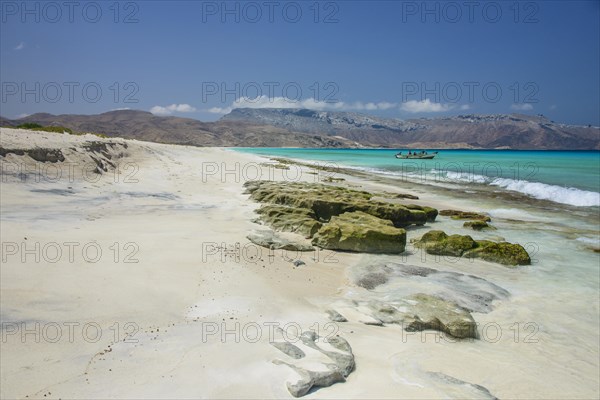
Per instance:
{"type": "Point", "coordinates": [399, 215]}
{"type": "Point", "coordinates": [439, 243]}
{"type": "Point", "coordinates": [457, 214]}
{"type": "Point", "coordinates": [290, 219]}
{"type": "Point", "coordinates": [361, 232]}
{"type": "Point", "coordinates": [392, 195]}
{"type": "Point", "coordinates": [502, 253]}
{"type": "Point", "coordinates": [431, 212]}
{"type": "Point", "coordinates": [433, 236]}
{"type": "Point", "coordinates": [477, 225]}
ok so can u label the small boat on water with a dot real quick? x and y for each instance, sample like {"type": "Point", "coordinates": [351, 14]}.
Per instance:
{"type": "Point", "coordinates": [423, 155]}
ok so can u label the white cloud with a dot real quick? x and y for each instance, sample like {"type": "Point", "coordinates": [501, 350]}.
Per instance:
{"type": "Point", "coordinates": [553, 107]}
{"type": "Point", "coordinates": [521, 107]}
{"type": "Point", "coordinates": [312, 104]}
{"type": "Point", "coordinates": [359, 106]}
{"type": "Point", "coordinates": [271, 102]}
{"type": "Point", "coordinates": [158, 110]}
{"type": "Point", "coordinates": [22, 116]}
{"type": "Point", "coordinates": [20, 46]}
{"type": "Point", "coordinates": [414, 106]}
{"type": "Point", "coordinates": [120, 109]}
{"type": "Point", "coordinates": [385, 105]}
{"type": "Point", "coordinates": [168, 110]}
{"type": "Point", "coordinates": [219, 110]}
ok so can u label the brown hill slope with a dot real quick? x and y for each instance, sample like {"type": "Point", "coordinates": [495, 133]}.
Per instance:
{"type": "Point", "coordinates": [307, 128]}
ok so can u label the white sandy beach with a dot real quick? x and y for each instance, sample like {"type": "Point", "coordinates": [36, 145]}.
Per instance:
{"type": "Point", "coordinates": [200, 316]}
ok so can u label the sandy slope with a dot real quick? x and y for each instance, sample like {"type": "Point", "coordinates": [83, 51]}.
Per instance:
{"type": "Point", "coordinates": [166, 216]}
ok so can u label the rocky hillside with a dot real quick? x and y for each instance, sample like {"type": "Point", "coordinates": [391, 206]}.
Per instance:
{"type": "Point", "coordinates": [141, 125]}
{"type": "Point", "coordinates": [307, 128]}
{"type": "Point", "coordinates": [514, 131]}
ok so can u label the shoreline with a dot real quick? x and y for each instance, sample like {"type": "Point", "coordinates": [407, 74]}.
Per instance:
{"type": "Point", "coordinates": [180, 288]}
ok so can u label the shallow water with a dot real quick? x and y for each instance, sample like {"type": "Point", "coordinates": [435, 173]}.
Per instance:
{"type": "Point", "coordinates": [566, 177]}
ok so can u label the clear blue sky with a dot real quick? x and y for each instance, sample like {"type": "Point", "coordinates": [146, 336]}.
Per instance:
{"type": "Point", "coordinates": [398, 59]}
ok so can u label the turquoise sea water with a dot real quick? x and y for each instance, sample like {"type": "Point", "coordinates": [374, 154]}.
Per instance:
{"type": "Point", "coordinates": [567, 177]}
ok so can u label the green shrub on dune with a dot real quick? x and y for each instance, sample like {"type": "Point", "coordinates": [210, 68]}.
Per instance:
{"type": "Point", "coordinates": [29, 125]}
{"type": "Point", "coordinates": [32, 126]}
{"type": "Point", "coordinates": [37, 127]}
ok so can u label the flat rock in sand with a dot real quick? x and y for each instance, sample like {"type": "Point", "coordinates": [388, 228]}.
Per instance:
{"type": "Point", "coordinates": [271, 240]}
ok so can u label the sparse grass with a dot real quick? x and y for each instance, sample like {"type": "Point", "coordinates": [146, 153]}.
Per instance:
{"type": "Point", "coordinates": [37, 127]}
{"type": "Point", "coordinates": [29, 125]}
{"type": "Point", "coordinates": [57, 129]}
{"type": "Point", "coordinates": [90, 133]}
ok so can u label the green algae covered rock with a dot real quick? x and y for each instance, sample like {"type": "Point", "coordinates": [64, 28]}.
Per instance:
{"type": "Point", "coordinates": [439, 243]}
{"type": "Point", "coordinates": [456, 214]}
{"type": "Point", "coordinates": [361, 232]}
{"type": "Point", "coordinates": [290, 219]}
{"type": "Point", "coordinates": [477, 225]}
{"type": "Point", "coordinates": [327, 201]}
{"type": "Point", "coordinates": [430, 212]}
{"type": "Point", "coordinates": [398, 214]}
{"type": "Point", "coordinates": [502, 253]}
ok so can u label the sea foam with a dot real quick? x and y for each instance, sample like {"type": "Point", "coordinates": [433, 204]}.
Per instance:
{"type": "Point", "coordinates": [538, 190]}
{"type": "Point", "coordinates": [543, 191]}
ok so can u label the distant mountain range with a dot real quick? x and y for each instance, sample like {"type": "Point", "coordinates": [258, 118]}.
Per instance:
{"type": "Point", "coordinates": [271, 127]}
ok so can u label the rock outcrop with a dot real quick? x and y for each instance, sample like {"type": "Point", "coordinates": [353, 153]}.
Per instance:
{"type": "Point", "coordinates": [38, 154]}
{"type": "Point", "coordinates": [439, 243]}
{"type": "Point", "coordinates": [337, 218]}
{"type": "Point", "coordinates": [431, 312]}
{"type": "Point", "coordinates": [431, 212]}
{"type": "Point", "coordinates": [470, 292]}
{"type": "Point", "coordinates": [393, 195]}
{"type": "Point", "coordinates": [500, 252]}
{"type": "Point", "coordinates": [289, 349]}
{"type": "Point", "coordinates": [336, 316]}
{"type": "Point", "coordinates": [477, 225]}
{"type": "Point", "coordinates": [360, 232]}
{"type": "Point", "coordinates": [341, 365]}
{"type": "Point", "coordinates": [272, 241]}
{"type": "Point", "coordinates": [456, 214]}
{"type": "Point", "coordinates": [326, 201]}
{"type": "Point", "coordinates": [290, 219]}
{"type": "Point", "coordinates": [418, 312]}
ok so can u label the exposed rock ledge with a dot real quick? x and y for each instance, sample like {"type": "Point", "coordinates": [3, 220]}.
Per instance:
{"type": "Point", "coordinates": [335, 217]}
